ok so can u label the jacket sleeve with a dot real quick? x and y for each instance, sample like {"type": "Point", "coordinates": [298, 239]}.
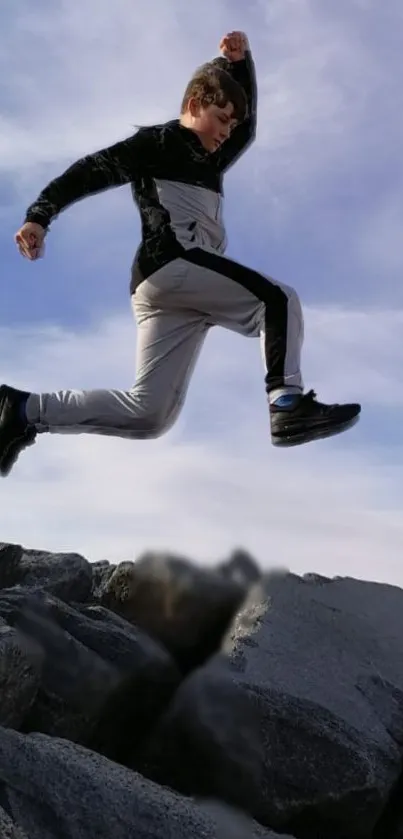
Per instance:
{"type": "Point", "coordinates": [110, 167]}
{"type": "Point", "coordinates": [244, 134]}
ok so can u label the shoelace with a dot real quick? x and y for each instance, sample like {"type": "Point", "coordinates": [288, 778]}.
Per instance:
{"type": "Point", "coordinates": [310, 396]}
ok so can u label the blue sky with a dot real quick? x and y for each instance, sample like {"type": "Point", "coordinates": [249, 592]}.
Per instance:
{"type": "Point", "coordinates": [317, 203]}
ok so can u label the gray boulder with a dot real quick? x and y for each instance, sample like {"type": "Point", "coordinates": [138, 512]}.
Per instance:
{"type": "Point", "coordinates": [20, 675]}
{"type": "Point", "coordinates": [77, 794]}
{"type": "Point", "coordinates": [66, 575]}
{"type": "Point", "coordinates": [300, 719]}
{"type": "Point", "coordinates": [70, 670]}
{"type": "Point", "coordinates": [237, 703]}
{"type": "Point", "coordinates": [101, 572]}
{"type": "Point", "coordinates": [8, 828]}
{"type": "Point", "coordinates": [84, 662]}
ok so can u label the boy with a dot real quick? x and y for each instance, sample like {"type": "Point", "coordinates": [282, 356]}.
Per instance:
{"type": "Point", "coordinates": [181, 283]}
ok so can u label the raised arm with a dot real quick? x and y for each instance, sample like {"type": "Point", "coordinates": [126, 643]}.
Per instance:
{"type": "Point", "coordinates": [238, 61]}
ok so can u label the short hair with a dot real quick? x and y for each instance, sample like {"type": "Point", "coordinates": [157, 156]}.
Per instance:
{"type": "Point", "coordinates": [212, 84]}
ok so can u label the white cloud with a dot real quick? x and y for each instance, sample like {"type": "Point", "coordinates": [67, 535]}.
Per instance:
{"type": "Point", "coordinates": [329, 116]}
{"type": "Point", "coordinates": [378, 238]}
{"type": "Point", "coordinates": [323, 507]}
{"type": "Point", "coordinates": [96, 70]}
{"type": "Point", "coordinates": [357, 353]}
{"type": "Point", "coordinates": [79, 78]}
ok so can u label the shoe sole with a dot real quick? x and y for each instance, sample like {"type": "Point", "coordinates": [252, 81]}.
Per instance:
{"type": "Point", "coordinates": [319, 433]}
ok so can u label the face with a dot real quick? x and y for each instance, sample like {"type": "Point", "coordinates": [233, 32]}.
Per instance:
{"type": "Point", "coordinates": [212, 124]}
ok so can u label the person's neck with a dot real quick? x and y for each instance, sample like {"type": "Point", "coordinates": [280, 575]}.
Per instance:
{"type": "Point", "coordinates": [186, 120]}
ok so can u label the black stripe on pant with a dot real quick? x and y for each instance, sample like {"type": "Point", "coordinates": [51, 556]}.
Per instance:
{"type": "Point", "coordinates": [276, 307]}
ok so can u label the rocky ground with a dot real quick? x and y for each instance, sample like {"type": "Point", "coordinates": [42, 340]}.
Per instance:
{"type": "Point", "coordinates": [161, 700]}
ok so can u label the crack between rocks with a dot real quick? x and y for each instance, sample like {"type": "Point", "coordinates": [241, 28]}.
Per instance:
{"type": "Point", "coordinates": [392, 815]}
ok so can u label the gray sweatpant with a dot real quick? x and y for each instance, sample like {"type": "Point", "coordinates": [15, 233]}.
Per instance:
{"type": "Point", "coordinates": [174, 310]}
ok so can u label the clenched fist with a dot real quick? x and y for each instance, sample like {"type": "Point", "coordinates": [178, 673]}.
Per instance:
{"type": "Point", "coordinates": [233, 46]}
{"type": "Point", "coordinates": [30, 240]}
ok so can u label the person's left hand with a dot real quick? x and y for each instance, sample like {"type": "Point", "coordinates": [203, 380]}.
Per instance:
{"type": "Point", "coordinates": [234, 45]}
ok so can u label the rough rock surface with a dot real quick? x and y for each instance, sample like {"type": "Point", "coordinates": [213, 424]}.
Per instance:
{"type": "Point", "coordinates": [68, 576]}
{"type": "Point", "coordinates": [300, 717]}
{"type": "Point", "coordinates": [77, 793]}
{"type": "Point", "coordinates": [20, 675]}
{"type": "Point", "coordinates": [8, 828]}
{"type": "Point", "coordinates": [158, 699]}
{"type": "Point", "coordinates": [85, 660]}
{"type": "Point", "coordinates": [101, 572]}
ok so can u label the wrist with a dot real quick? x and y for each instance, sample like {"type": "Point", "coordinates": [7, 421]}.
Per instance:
{"type": "Point", "coordinates": [36, 218]}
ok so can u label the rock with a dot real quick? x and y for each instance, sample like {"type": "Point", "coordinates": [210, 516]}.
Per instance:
{"type": "Point", "coordinates": [115, 639]}
{"type": "Point", "coordinates": [300, 718]}
{"type": "Point", "coordinates": [84, 662]}
{"type": "Point", "coordinates": [144, 680]}
{"type": "Point", "coordinates": [68, 576]}
{"type": "Point", "coordinates": [133, 707]}
{"type": "Point", "coordinates": [226, 694]}
{"type": "Point", "coordinates": [103, 615]}
{"type": "Point", "coordinates": [79, 795]}
{"type": "Point", "coordinates": [232, 823]}
{"type": "Point", "coordinates": [390, 823]}
{"type": "Point", "coordinates": [86, 666]}
{"type": "Point", "coordinates": [101, 572]}
{"type": "Point", "coordinates": [70, 670]}
{"type": "Point", "coordinates": [125, 724]}
{"type": "Point", "coordinates": [193, 748]}
{"type": "Point", "coordinates": [188, 609]}
{"type": "Point", "coordinates": [10, 557]}
{"type": "Point", "coordinates": [20, 675]}
{"type": "Point", "coordinates": [53, 715]}
{"type": "Point", "coordinates": [8, 828]}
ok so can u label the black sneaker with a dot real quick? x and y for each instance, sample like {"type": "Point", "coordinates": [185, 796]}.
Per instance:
{"type": "Point", "coordinates": [310, 420]}
{"type": "Point", "coordinates": [15, 433]}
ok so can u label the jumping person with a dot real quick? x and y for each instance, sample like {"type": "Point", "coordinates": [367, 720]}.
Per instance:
{"type": "Point", "coordinates": [182, 284]}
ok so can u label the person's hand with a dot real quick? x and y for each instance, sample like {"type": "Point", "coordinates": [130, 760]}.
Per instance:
{"type": "Point", "coordinates": [234, 45]}
{"type": "Point", "coordinates": [30, 239]}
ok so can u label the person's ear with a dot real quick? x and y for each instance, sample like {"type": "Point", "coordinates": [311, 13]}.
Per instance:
{"type": "Point", "coordinates": [194, 107]}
